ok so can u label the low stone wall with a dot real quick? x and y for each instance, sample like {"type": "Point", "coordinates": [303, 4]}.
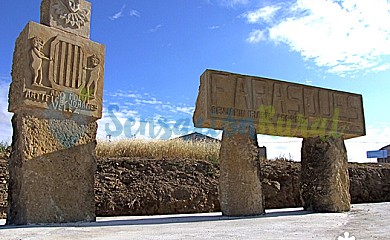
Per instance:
{"type": "Point", "coordinates": [147, 187]}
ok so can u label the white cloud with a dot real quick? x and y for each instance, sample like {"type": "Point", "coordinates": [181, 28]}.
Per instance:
{"type": "Point", "coordinates": [256, 36]}
{"type": "Point", "coordinates": [156, 28]}
{"type": "Point", "coordinates": [344, 37]}
{"type": "Point", "coordinates": [118, 14]}
{"type": "Point", "coordinates": [143, 115]}
{"type": "Point", "coordinates": [5, 116]}
{"type": "Point", "coordinates": [187, 110]}
{"type": "Point", "coordinates": [233, 3]}
{"type": "Point", "coordinates": [309, 82]}
{"type": "Point", "coordinates": [214, 27]}
{"type": "Point", "coordinates": [151, 101]}
{"type": "Point", "coordinates": [121, 94]}
{"type": "Point", "coordinates": [265, 14]}
{"type": "Point", "coordinates": [134, 13]}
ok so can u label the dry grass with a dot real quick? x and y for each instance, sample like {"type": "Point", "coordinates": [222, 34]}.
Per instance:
{"type": "Point", "coordinates": [5, 150]}
{"type": "Point", "coordinates": [159, 149]}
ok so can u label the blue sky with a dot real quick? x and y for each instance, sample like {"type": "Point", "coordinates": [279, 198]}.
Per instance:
{"type": "Point", "coordinates": [156, 51]}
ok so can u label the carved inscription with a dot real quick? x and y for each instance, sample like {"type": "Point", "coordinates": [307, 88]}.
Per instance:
{"type": "Point", "coordinates": [73, 77]}
{"type": "Point", "coordinates": [291, 109]}
{"type": "Point", "coordinates": [60, 101]}
{"type": "Point", "coordinates": [54, 64]}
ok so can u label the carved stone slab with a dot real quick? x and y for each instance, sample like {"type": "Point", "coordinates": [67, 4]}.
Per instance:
{"type": "Point", "coordinates": [279, 108]}
{"type": "Point", "coordinates": [72, 16]}
{"type": "Point", "coordinates": [53, 71]}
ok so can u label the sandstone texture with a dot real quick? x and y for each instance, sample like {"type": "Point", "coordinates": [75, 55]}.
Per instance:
{"type": "Point", "coordinates": [56, 72]}
{"type": "Point", "coordinates": [52, 170]}
{"type": "Point", "coordinates": [150, 183]}
{"type": "Point", "coordinates": [240, 190]}
{"type": "Point", "coordinates": [276, 107]}
{"type": "Point", "coordinates": [71, 16]}
{"type": "Point", "coordinates": [325, 180]}
{"type": "Point", "coordinates": [56, 97]}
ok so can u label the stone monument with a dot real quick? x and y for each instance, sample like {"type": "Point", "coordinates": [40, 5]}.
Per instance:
{"type": "Point", "coordinates": [243, 106]}
{"type": "Point", "coordinates": [56, 97]}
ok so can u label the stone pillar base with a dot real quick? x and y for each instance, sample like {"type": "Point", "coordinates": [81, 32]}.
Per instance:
{"type": "Point", "coordinates": [52, 169]}
{"type": "Point", "coordinates": [240, 190]}
{"type": "Point", "coordinates": [325, 178]}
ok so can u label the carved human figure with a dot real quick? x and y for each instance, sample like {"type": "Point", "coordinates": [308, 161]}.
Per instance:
{"type": "Point", "coordinates": [93, 77]}
{"type": "Point", "coordinates": [37, 58]}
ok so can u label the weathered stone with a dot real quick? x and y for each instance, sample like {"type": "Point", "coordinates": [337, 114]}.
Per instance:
{"type": "Point", "coordinates": [228, 101]}
{"type": "Point", "coordinates": [240, 191]}
{"type": "Point", "coordinates": [325, 179]}
{"type": "Point", "coordinates": [276, 107]}
{"type": "Point", "coordinates": [56, 71]}
{"type": "Point", "coordinates": [52, 170]}
{"type": "Point", "coordinates": [56, 95]}
{"type": "Point", "coordinates": [73, 16]}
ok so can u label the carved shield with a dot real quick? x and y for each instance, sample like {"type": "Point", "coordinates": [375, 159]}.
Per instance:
{"type": "Point", "coordinates": [66, 71]}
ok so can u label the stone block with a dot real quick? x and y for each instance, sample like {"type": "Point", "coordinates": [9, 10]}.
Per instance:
{"type": "Point", "coordinates": [240, 189]}
{"type": "Point", "coordinates": [276, 107]}
{"type": "Point", "coordinates": [73, 16]}
{"type": "Point", "coordinates": [53, 71]}
{"type": "Point", "coordinates": [324, 176]}
{"type": "Point", "coordinates": [52, 169]}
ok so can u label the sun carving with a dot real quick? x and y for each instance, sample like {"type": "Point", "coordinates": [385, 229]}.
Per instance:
{"type": "Point", "coordinates": [71, 13]}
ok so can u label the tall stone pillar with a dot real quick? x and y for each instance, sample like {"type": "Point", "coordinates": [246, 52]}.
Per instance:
{"type": "Point", "coordinates": [56, 97]}
{"type": "Point", "coordinates": [240, 191]}
{"type": "Point", "coordinates": [325, 178]}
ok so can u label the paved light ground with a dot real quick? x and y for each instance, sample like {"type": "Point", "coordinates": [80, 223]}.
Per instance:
{"type": "Point", "coordinates": [365, 221]}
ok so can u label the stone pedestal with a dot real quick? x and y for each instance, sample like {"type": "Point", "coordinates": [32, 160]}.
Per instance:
{"type": "Point", "coordinates": [240, 190]}
{"type": "Point", "coordinates": [56, 96]}
{"type": "Point", "coordinates": [325, 178]}
{"type": "Point", "coordinates": [52, 170]}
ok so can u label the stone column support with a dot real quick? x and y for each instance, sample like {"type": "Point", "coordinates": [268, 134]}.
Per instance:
{"type": "Point", "coordinates": [325, 178]}
{"type": "Point", "coordinates": [240, 189]}
{"type": "Point", "coordinates": [56, 96]}
{"type": "Point", "coordinates": [52, 170]}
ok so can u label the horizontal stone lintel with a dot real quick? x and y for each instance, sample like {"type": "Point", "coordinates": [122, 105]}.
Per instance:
{"type": "Point", "coordinates": [279, 108]}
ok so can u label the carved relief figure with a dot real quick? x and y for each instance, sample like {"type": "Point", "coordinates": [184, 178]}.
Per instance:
{"type": "Point", "coordinates": [37, 58]}
{"type": "Point", "coordinates": [94, 75]}
{"type": "Point", "coordinates": [71, 12]}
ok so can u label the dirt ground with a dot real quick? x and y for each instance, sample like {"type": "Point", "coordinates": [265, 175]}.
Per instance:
{"type": "Point", "coordinates": [127, 186]}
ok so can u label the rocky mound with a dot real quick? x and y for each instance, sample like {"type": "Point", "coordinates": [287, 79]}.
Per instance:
{"type": "Point", "coordinates": [127, 186]}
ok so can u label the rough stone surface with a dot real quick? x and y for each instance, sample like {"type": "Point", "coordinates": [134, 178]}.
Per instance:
{"type": "Point", "coordinates": [147, 187]}
{"type": "Point", "coordinates": [240, 191]}
{"type": "Point", "coordinates": [325, 179]}
{"type": "Point", "coordinates": [50, 181]}
{"type": "Point", "coordinates": [151, 185]}
{"type": "Point", "coordinates": [73, 16]}
{"type": "Point", "coordinates": [4, 179]}
{"type": "Point", "coordinates": [276, 107]}
{"type": "Point", "coordinates": [54, 71]}
{"type": "Point", "coordinates": [56, 97]}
